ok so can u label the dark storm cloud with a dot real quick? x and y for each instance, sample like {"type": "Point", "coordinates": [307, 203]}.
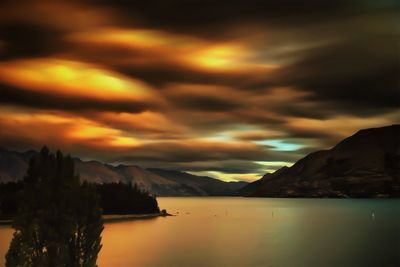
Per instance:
{"type": "Point", "coordinates": [310, 134]}
{"type": "Point", "coordinates": [357, 77]}
{"type": "Point", "coordinates": [163, 74]}
{"type": "Point", "coordinates": [41, 100]}
{"type": "Point", "coordinates": [191, 152]}
{"type": "Point", "coordinates": [214, 18]}
{"type": "Point", "coordinates": [357, 70]}
{"type": "Point", "coordinates": [206, 103]}
{"type": "Point", "coordinates": [26, 39]}
{"type": "Point", "coordinates": [328, 71]}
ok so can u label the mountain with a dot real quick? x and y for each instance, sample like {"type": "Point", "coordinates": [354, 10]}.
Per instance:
{"type": "Point", "coordinates": [366, 164]}
{"type": "Point", "coordinates": [203, 185]}
{"type": "Point", "coordinates": [13, 166]}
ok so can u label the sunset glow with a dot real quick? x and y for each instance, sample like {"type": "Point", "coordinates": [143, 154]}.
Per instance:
{"type": "Point", "coordinates": [67, 77]}
{"type": "Point", "coordinates": [233, 91]}
{"type": "Point", "coordinates": [219, 57]}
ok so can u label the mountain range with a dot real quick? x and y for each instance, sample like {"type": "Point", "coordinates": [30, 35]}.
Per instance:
{"type": "Point", "coordinates": [13, 167]}
{"type": "Point", "coordinates": [366, 164]}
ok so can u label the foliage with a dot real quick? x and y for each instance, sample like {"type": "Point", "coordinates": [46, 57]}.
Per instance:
{"type": "Point", "coordinates": [120, 198]}
{"type": "Point", "coordinates": [115, 198]}
{"type": "Point", "coordinates": [9, 199]}
{"type": "Point", "coordinates": [58, 222]}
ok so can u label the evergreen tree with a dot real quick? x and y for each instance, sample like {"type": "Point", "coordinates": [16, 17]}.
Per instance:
{"type": "Point", "coordinates": [59, 220]}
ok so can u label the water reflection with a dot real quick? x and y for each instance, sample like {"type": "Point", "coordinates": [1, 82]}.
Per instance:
{"type": "Point", "coordinates": [242, 232]}
{"type": "Point", "coordinates": [249, 232]}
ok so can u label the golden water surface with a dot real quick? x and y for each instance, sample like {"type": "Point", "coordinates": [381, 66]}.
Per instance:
{"type": "Point", "coordinates": [252, 232]}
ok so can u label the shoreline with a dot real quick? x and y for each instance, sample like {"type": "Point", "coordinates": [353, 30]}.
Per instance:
{"type": "Point", "coordinates": [110, 218]}
{"type": "Point", "coordinates": [5, 222]}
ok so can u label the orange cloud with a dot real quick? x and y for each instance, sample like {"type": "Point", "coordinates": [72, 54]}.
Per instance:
{"type": "Point", "coordinates": [72, 78]}
{"type": "Point", "coordinates": [134, 38]}
{"type": "Point", "coordinates": [145, 122]}
{"type": "Point", "coordinates": [339, 126]}
{"type": "Point", "coordinates": [61, 129]}
{"type": "Point", "coordinates": [174, 48]}
{"type": "Point", "coordinates": [67, 15]}
{"type": "Point", "coordinates": [100, 135]}
{"type": "Point", "coordinates": [201, 90]}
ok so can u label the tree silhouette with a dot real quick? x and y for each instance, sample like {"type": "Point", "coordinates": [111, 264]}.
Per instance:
{"type": "Point", "coordinates": [120, 198]}
{"type": "Point", "coordinates": [58, 222]}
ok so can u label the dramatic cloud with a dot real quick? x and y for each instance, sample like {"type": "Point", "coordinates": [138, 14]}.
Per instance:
{"type": "Point", "coordinates": [230, 89]}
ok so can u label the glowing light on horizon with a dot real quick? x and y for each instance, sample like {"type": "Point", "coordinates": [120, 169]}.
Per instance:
{"type": "Point", "coordinates": [272, 166]}
{"type": "Point", "coordinates": [280, 145]}
{"type": "Point", "coordinates": [275, 163]}
{"type": "Point", "coordinates": [228, 177]}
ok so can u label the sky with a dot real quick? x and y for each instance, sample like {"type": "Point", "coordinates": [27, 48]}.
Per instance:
{"type": "Point", "coordinates": [230, 89]}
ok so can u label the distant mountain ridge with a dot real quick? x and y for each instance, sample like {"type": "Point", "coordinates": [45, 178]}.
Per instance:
{"type": "Point", "coordinates": [13, 166]}
{"type": "Point", "coordinates": [366, 164]}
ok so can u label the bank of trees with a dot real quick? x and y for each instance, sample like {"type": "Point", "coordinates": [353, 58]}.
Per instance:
{"type": "Point", "coordinates": [114, 198]}
{"type": "Point", "coordinates": [57, 218]}
{"type": "Point", "coordinates": [58, 221]}
{"type": "Point", "coordinates": [120, 198]}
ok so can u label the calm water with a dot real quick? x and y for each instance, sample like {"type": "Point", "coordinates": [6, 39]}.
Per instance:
{"type": "Point", "coordinates": [241, 232]}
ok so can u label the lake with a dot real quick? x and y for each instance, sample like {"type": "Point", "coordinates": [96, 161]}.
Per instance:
{"type": "Point", "coordinates": [253, 232]}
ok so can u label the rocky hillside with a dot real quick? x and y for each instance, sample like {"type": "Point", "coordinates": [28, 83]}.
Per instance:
{"type": "Point", "coordinates": [366, 164]}
{"type": "Point", "coordinates": [13, 166]}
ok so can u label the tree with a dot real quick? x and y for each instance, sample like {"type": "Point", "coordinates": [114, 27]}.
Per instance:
{"type": "Point", "coordinates": [59, 219]}
{"type": "Point", "coordinates": [120, 198]}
